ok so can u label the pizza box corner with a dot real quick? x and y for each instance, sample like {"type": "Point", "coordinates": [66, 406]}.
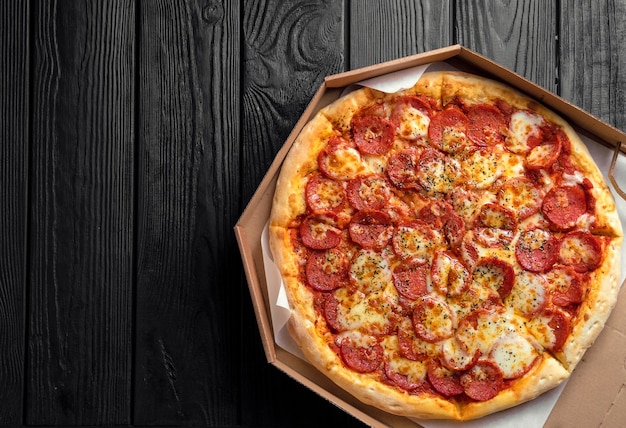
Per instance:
{"type": "Point", "coordinates": [595, 393]}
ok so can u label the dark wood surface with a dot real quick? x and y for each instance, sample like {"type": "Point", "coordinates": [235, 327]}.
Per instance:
{"type": "Point", "coordinates": [132, 135]}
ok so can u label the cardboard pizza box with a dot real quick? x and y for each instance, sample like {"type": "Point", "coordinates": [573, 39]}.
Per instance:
{"type": "Point", "coordinates": [595, 394]}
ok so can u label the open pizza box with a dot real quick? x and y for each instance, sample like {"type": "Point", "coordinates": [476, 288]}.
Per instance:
{"type": "Point", "coordinates": [595, 394]}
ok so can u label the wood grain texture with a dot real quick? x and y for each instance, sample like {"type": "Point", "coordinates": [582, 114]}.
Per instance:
{"type": "Point", "coordinates": [188, 294]}
{"type": "Point", "coordinates": [14, 141]}
{"type": "Point", "coordinates": [289, 47]}
{"type": "Point", "coordinates": [382, 31]}
{"type": "Point", "coordinates": [132, 135]}
{"type": "Point", "coordinates": [593, 59]}
{"type": "Point", "coordinates": [520, 35]}
{"type": "Point", "coordinates": [79, 342]}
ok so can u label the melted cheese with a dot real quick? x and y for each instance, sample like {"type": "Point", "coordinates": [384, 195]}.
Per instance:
{"type": "Point", "coordinates": [369, 313]}
{"type": "Point", "coordinates": [523, 124]}
{"type": "Point", "coordinates": [513, 354]}
{"type": "Point", "coordinates": [572, 179]}
{"type": "Point", "coordinates": [439, 175]}
{"type": "Point", "coordinates": [449, 275]}
{"type": "Point", "coordinates": [413, 243]}
{"type": "Point", "coordinates": [413, 124]}
{"type": "Point", "coordinates": [482, 168]}
{"type": "Point", "coordinates": [345, 164]}
{"type": "Point", "coordinates": [415, 371]}
{"type": "Point", "coordinates": [370, 271]}
{"type": "Point", "coordinates": [490, 326]}
{"type": "Point", "coordinates": [487, 277]}
{"type": "Point", "coordinates": [437, 318]}
{"type": "Point", "coordinates": [528, 295]}
{"type": "Point", "coordinates": [542, 332]}
{"type": "Point", "coordinates": [328, 194]}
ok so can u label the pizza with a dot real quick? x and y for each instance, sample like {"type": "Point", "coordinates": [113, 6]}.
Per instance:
{"type": "Point", "coordinates": [448, 251]}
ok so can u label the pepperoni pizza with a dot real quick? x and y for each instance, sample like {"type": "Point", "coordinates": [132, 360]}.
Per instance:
{"type": "Point", "coordinates": [448, 251]}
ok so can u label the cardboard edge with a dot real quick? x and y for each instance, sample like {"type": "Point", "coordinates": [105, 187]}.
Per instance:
{"type": "Point", "coordinates": [255, 282]}
{"type": "Point", "coordinates": [330, 90]}
{"type": "Point", "coordinates": [344, 79]}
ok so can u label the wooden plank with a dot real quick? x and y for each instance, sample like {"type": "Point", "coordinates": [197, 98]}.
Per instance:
{"type": "Point", "coordinates": [520, 35]}
{"type": "Point", "coordinates": [592, 58]}
{"type": "Point", "coordinates": [383, 31]}
{"type": "Point", "coordinates": [289, 47]}
{"type": "Point", "coordinates": [80, 321]}
{"type": "Point", "coordinates": [188, 272]}
{"type": "Point", "coordinates": [14, 140]}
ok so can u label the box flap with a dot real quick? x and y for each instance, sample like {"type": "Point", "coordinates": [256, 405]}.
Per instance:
{"type": "Point", "coordinates": [596, 391]}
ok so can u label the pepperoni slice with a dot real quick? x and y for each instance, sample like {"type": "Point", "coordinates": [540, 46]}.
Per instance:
{"type": "Point", "coordinates": [521, 196]}
{"type": "Point", "coordinates": [449, 275]}
{"type": "Point", "coordinates": [455, 356]}
{"type": "Point", "coordinates": [580, 250]}
{"type": "Point", "coordinates": [563, 205]}
{"type": "Point", "coordinates": [361, 358]}
{"type": "Point", "coordinates": [495, 225]}
{"type": "Point", "coordinates": [566, 285]}
{"type": "Point", "coordinates": [440, 215]}
{"type": "Point", "coordinates": [324, 194]}
{"type": "Point", "coordinates": [545, 153]}
{"type": "Point", "coordinates": [447, 130]}
{"type": "Point", "coordinates": [432, 319]}
{"type": "Point", "coordinates": [560, 325]}
{"type": "Point", "coordinates": [412, 347]}
{"type": "Point", "coordinates": [445, 381]}
{"type": "Point", "coordinates": [411, 280]}
{"type": "Point", "coordinates": [371, 229]}
{"type": "Point", "coordinates": [537, 250]}
{"type": "Point", "coordinates": [402, 380]}
{"type": "Point", "coordinates": [340, 160]}
{"type": "Point", "coordinates": [551, 329]}
{"type": "Point", "coordinates": [435, 213]}
{"type": "Point", "coordinates": [496, 274]}
{"type": "Point", "coordinates": [319, 231]}
{"type": "Point", "coordinates": [330, 308]}
{"type": "Point", "coordinates": [373, 135]}
{"type": "Point", "coordinates": [496, 216]}
{"type": "Point", "coordinates": [466, 251]}
{"type": "Point", "coordinates": [454, 229]}
{"type": "Point", "coordinates": [326, 270]}
{"type": "Point", "coordinates": [483, 381]}
{"type": "Point", "coordinates": [487, 125]}
{"type": "Point", "coordinates": [370, 191]}
{"type": "Point", "coordinates": [402, 168]}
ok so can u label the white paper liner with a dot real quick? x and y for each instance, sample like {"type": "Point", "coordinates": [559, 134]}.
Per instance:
{"type": "Point", "coordinates": [530, 414]}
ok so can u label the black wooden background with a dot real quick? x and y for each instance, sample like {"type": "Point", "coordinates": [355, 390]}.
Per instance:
{"type": "Point", "coordinates": [132, 135]}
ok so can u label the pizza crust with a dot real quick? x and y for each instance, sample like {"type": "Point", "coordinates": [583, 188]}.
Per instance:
{"type": "Point", "coordinates": [289, 199]}
{"type": "Point", "coordinates": [596, 309]}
